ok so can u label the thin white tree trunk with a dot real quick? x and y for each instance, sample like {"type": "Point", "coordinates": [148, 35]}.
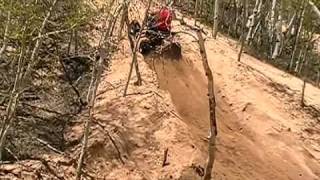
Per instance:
{"type": "Point", "coordinates": [303, 91]}
{"type": "Point", "coordinates": [291, 23]}
{"type": "Point", "coordinates": [273, 16]}
{"type": "Point", "coordinates": [318, 78]}
{"type": "Point", "coordinates": [216, 19]}
{"type": "Point", "coordinates": [6, 31]}
{"type": "Point", "coordinates": [251, 20]}
{"type": "Point", "coordinates": [315, 9]}
{"type": "Point", "coordinates": [11, 107]}
{"type": "Point", "coordinates": [256, 29]}
{"type": "Point", "coordinates": [196, 8]}
{"type": "Point", "coordinates": [287, 32]}
{"type": "Point", "coordinates": [271, 25]}
{"type": "Point", "coordinates": [297, 38]}
{"type": "Point", "coordinates": [298, 62]}
{"type": "Point", "coordinates": [303, 63]}
{"type": "Point", "coordinates": [278, 26]}
{"type": "Point", "coordinates": [242, 39]}
{"type": "Point", "coordinates": [34, 54]}
{"type": "Point", "coordinates": [99, 69]}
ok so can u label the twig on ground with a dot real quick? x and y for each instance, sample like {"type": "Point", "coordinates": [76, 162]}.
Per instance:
{"type": "Point", "coordinates": [12, 154]}
{"type": "Point", "coordinates": [49, 146]}
{"type": "Point", "coordinates": [111, 139]}
{"type": "Point", "coordinates": [165, 163]}
{"type": "Point", "coordinates": [176, 115]}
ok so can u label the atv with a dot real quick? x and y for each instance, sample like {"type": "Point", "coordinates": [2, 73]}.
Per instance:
{"type": "Point", "coordinates": [152, 40]}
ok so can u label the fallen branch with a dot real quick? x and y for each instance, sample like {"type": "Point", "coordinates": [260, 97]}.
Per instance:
{"type": "Point", "coordinates": [165, 163]}
{"type": "Point", "coordinates": [71, 84]}
{"type": "Point", "coordinates": [12, 154]}
{"type": "Point", "coordinates": [49, 146]}
{"type": "Point", "coordinates": [45, 109]}
{"type": "Point", "coordinates": [54, 32]}
{"type": "Point", "coordinates": [212, 107]}
{"type": "Point", "coordinates": [176, 115]}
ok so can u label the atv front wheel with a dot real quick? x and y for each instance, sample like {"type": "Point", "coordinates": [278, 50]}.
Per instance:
{"type": "Point", "coordinates": [145, 47]}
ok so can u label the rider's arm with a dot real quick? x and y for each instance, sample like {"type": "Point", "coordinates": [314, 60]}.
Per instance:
{"type": "Point", "coordinates": [166, 21]}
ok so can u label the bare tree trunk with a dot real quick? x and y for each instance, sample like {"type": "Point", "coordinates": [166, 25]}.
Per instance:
{"type": "Point", "coordinates": [315, 9]}
{"type": "Point", "coordinates": [97, 77]}
{"type": "Point", "coordinates": [278, 26]}
{"type": "Point", "coordinates": [304, 72]}
{"type": "Point", "coordinates": [303, 62]}
{"type": "Point", "coordinates": [318, 78]}
{"type": "Point", "coordinates": [212, 108]}
{"type": "Point", "coordinates": [236, 17]}
{"type": "Point", "coordinates": [251, 20]}
{"type": "Point", "coordinates": [134, 52]}
{"type": "Point", "coordinates": [287, 32]}
{"type": "Point", "coordinates": [242, 39]}
{"type": "Point", "coordinates": [303, 92]}
{"type": "Point", "coordinates": [70, 43]}
{"type": "Point", "coordinates": [115, 21]}
{"type": "Point", "coordinates": [34, 55]}
{"type": "Point", "coordinates": [297, 38]}
{"type": "Point", "coordinates": [6, 31]}
{"type": "Point", "coordinates": [299, 62]}
{"type": "Point", "coordinates": [12, 105]}
{"type": "Point", "coordinates": [291, 23]}
{"type": "Point", "coordinates": [196, 8]}
{"type": "Point", "coordinates": [258, 26]}
{"type": "Point", "coordinates": [123, 18]}
{"type": "Point", "coordinates": [76, 42]}
{"type": "Point", "coordinates": [201, 8]}
{"type": "Point", "coordinates": [273, 18]}
{"type": "Point", "coordinates": [216, 19]}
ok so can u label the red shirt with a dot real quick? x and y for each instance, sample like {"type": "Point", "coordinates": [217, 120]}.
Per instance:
{"type": "Point", "coordinates": [165, 18]}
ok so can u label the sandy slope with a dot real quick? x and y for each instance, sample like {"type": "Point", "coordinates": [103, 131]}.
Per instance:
{"type": "Point", "coordinates": [267, 136]}
{"type": "Point", "coordinates": [263, 133]}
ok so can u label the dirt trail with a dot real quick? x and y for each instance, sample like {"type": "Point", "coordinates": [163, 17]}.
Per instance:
{"type": "Point", "coordinates": [263, 132]}
{"type": "Point", "coordinates": [267, 136]}
{"type": "Point", "coordinates": [252, 145]}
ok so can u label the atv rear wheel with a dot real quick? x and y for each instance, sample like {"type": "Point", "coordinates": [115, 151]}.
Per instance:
{"type": "Point", "coordinates": [173, 51]}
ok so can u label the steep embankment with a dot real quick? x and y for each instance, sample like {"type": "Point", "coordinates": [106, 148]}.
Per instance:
{"type": "Point", "coordinates": [263, 133]}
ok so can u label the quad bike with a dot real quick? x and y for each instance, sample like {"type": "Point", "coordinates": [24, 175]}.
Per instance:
{"type": "Point", "coordinates": [152, 40]}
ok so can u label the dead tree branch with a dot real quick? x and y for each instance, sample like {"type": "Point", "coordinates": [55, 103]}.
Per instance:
{"type": "Point", "coordinates": [134, 52]}
{"type": "Point", "coordinates": [315, 9]}
{"type": "Point", "coordinates": [97, 77]}
{"type": "Point", "coordinates": [49, 146]}
{"type": "Point", "coordinates": [212, 107]}
{"type": "Point", "coordinates": [6, 31]}
{"type": "Point", "coordinates": [165, 158]}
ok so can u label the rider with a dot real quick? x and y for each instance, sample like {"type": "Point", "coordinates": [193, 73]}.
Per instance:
{"type": "Point", "coordinates": [163, 19]}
